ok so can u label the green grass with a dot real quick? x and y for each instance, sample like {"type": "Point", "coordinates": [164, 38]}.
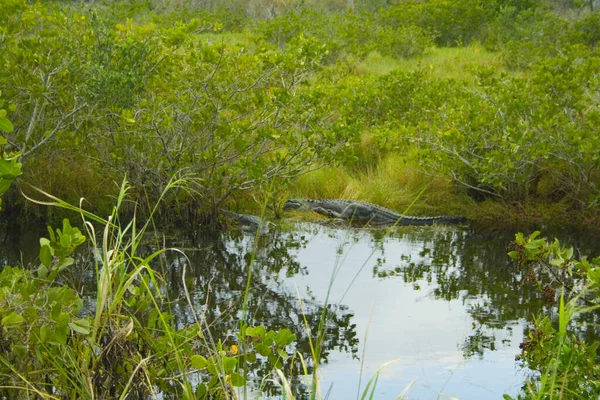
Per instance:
{"type": "Point", "coordinates": [394, 182]}
{"type": "Point", "coordinates": [460, 63]}
{"type": "Point", "coordinates": [230, 38]}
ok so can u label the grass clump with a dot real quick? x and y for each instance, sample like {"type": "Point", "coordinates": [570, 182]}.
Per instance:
{"type": "Point", "coordinates": [128, 344]}
{"type": "Point", "coordinates": [460, 63]}
{"type": "Point", "coordinates": [325, 183]}
{"type": "Point", "coordinates": [394, 182]}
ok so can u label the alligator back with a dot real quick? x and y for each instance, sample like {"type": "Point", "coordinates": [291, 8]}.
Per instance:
{"type": "Point", "coordinates": [335, 205]}
{"type": "Point", "coordinates": [367, 213]}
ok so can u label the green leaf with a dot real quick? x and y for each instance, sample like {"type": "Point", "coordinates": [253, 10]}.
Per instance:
{"type": "Point", "coordinates": [30, 313]}
{"type": "Point", "coordinates": [237, 379]}
{"type": "Point", "coordinates": [64, 263]}
{"type": "Point", "coordinates": [262, 349]}
{"type": "Point", "coordinates": [275, 361]}
{"type": "Point", "coordinates": [9, 168]}
{"type": "Point", "coordinates": [55, 312]}
{"type": "Point", "coordinates": [594, 275]}
{"type": "Point", "coordinates": [213, 382]}
{"type": "Point", "coordinates": [81, 326]}
{"type": "Point", "coordinates": [42, 271]}
{"type": "Point", "coordinates": [12, 320]}
{"type": "Point", "coordinates": [569, 254]}
{"type": "Point", "coordinates": [60, 334]}
{"type": "Point", "coordinates": [269, 339]}
{"type": "Point", "coordinates": [211, 366]}
{"type": "Point", "coordinates": [557, 262]}
{"type": "Point", "coordinates": [63, 319]}
{"type": "Point", "coordinates": [6, 125]}
{"type": "Point", "coordinates": [258, 331]}
{"type": "Point", "coordinates": [46, 255]}
{"type": "Point", "coordinates": [4, 184]}
{"type": "Point", "coordinates": [282, 354]}
{"type": "Point", "coordinates": [19, 350]}
{"type": "Point", "coordinates": [284, 337]}
{"type": "Point", "coordinates": [201, 391]}
{"type": "Point", "coordinates": [44, 333]}
{"type": "Point", "coordinates": [534, 235]}
{"type": "Point", "coordinates": [513, 255]}
{"type": "Point", "coordinates": [199, 362]}
{"type": "Point", "coordinates": [229, 363]}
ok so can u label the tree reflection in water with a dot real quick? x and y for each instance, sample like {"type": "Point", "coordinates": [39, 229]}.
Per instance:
{"type": "Point", "coordinates": [474, 268]}
{"type": "Point", "coordinates": [216, 279]}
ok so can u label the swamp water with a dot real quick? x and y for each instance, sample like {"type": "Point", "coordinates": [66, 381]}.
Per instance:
{"type": "Point", "coordinates": [445, 304]}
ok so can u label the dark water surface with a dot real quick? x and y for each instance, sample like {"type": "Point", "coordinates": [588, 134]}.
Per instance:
{"type": "Point", "coordinates": [445, 304]}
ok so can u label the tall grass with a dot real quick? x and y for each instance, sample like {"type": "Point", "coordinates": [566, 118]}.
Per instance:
{"type": "Point", "coordinates": [394, 182]}
{"type": "Point", "coordinates": [460, 63]}
{"type": "Point", "coordinates": [121, 270]}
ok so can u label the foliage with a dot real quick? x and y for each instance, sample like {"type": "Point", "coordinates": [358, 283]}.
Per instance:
{"type": "Point", "coordinates": [451, 22]}
{"type": "Point", "coordinates": [126, 343]}
{"type": "Point", "coordinates": [149, 99]}
{"type": "Point", "coordinates": [566, 364]}
{"type": "Point", "coordinates": [349, 33]}
{"type": "Point", "coordinates": [589, 28]}
{"type": "Point", "coordinates": [510, 137]}
{"type": "Point", "coordinates": [10, 168]}
{"type": "Point", "coordinates": [126, 91]}
{"type": "Point", "coordinates": [40, 321]}
{"type": "Point", "coordinates": [93, 92]}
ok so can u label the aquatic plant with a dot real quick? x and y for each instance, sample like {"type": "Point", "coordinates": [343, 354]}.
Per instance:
{"type": "Point", "coordinates": [124, 343]}
{"type": "Point", "coordinates": [564, 365]}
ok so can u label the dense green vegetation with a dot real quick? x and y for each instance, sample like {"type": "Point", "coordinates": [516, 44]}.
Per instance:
{"type": "Point", "coordinates": [489, 108]}
{"type": "Point", "coordinates": [564, 365]}
{"type": "Point", "coordinates": [496, 103]}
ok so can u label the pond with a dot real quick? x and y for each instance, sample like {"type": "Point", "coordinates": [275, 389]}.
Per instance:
{"type": "Point", "coordinates": [444, 306]}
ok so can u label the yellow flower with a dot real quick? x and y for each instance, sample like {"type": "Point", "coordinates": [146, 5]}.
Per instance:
{"type": "Point", "coordinates": [233, 349]}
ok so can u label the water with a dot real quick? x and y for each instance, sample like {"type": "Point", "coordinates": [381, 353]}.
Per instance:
{"type": "Point", "coordinates": [444, 305]}
{"type": "Point", "coordinates": [429, 299]}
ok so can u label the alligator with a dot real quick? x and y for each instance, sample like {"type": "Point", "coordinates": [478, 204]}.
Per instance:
{"type": "Point", "coordinates": [366, 213]}
{"type": "Point", "coordinates": [250, 222]}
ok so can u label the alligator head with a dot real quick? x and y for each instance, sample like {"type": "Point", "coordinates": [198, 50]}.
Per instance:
{"type": "Point", "coordinates": [293, 205]}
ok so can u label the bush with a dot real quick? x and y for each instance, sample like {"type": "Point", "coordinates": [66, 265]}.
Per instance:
{"type": "Point", "coordinates": [404, 42]}
{"type": "Point", "coordinates": [451, 22]}
{"type": "Point", "coordinates": [589, 28]}
{"type": "Point", "coordinates": [563, 364]}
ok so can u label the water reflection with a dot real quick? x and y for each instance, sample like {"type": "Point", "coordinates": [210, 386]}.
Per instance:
{"type": "Point", "coordinates": [447, 301]}
{"type": "Point", "coordinates": [474, 268]}
{"type": "Point", "coordinates": [216, 274]}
